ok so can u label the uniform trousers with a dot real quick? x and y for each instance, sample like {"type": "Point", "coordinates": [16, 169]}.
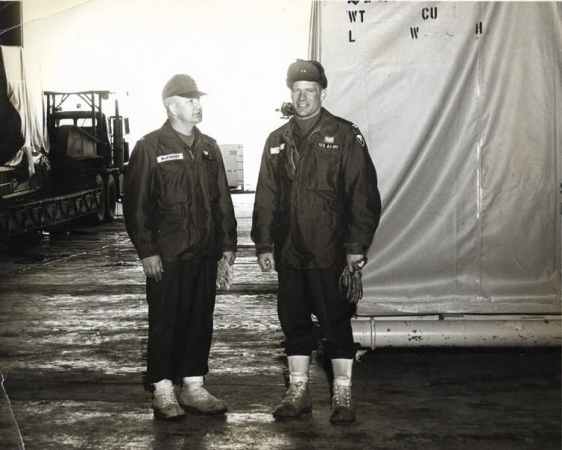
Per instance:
{"type": "Point", "coordinates": [180, 319]}
{"type": "Point", "coordinates": [315, 291]}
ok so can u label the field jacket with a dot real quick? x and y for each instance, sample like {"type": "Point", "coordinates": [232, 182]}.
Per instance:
{"type": "Point", "coordinates": [176, 198]}
{"type": "Point", "coordinates": [318, 201]}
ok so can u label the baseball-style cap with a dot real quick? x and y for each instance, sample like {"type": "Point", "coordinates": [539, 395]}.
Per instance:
{"type": "Point", "coordinates": [306, 70]}
{"type": "Point", "coordinates": [181, 85]}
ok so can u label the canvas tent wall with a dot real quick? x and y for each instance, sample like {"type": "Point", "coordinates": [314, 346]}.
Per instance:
{"type": "Point", "coordinates": [460, 104]}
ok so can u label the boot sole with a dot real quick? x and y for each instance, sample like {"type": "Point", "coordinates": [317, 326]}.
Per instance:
{"type": "Point", "coordinates": [158, 415]}
{"type": "Point", "coordinates": [342, 421]}
{"type": "Point", "coordinates": [198, 412]}
{"type": "Point", "coordinates": [303, 412]}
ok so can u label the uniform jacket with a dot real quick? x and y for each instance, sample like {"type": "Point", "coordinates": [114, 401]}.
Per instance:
{"type": "Point", "coordinates": [176, 199]}
{"type": "Point", "coordinates": [316, 203]}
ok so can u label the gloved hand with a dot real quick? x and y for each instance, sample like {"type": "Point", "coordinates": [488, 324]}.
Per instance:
{"type": "Point", "coordinates": [351, 283]}
{"type": "Point", "coordinates": [225, 273]}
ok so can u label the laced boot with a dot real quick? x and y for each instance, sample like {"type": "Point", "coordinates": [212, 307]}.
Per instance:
{"type": "Point", "coordinates": [295, 402]}
{"type": "Point", "coordinates": [342, 410]}
{"type": "Point", "coordinates": [196, 399]}
{"type": "Point", "coordinates": [164, 402]}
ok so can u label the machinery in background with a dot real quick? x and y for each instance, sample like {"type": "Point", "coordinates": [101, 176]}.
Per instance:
{"type": "Point", "coordinates": [80, 176]}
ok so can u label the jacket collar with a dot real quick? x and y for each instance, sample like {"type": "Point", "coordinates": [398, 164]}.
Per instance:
{"type": "Point", "coordinates": [325, 120]}
{"type": "Point", "coordinates": [169, 138]}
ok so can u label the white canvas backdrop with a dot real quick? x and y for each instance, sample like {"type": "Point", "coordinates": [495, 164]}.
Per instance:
{"type": "Point", "coordinates": [460, 104]}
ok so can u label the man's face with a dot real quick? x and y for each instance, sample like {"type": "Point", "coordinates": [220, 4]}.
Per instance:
{"type": "Point", "coordinates": [307, 98]}
{"type": "Point", "coordinates": [188, 110]}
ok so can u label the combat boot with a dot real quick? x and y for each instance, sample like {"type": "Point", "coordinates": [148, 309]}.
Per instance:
{"type": "Point", "coordinates": [164, 402]}
{"type": "Point", "coordinates": [196, 399]}
{"type": "Point", "coordinates": [295, 402]}
{"type": "Point", "coordinates": [342, 410]}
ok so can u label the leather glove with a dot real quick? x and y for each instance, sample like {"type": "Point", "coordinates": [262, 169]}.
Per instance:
{"type": "Point", "coordinates": [351, 284]}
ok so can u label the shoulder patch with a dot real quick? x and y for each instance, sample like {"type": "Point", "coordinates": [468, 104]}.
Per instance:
{"type": "Point", "coordinates": [358, 136]}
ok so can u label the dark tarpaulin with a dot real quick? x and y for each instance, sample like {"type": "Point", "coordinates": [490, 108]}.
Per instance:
{"type": "Point", "coordinates": [11, 33]}
{"type": "Point", "coordinates": [11, 137]}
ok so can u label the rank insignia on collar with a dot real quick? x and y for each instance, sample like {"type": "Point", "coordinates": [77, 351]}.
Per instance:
{"type": "Point", "coordinates": [205, 152]}
{"type": "Point", "coordinates": [329, 139]}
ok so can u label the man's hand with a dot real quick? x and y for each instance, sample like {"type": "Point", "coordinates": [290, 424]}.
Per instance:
{"type": "Point", "coordinates": [230, 257]}
{"type": "Point", "coordinates": [152, 266]}
{"type": "Point", "coordinates": [354, 259]}
{"type": "Point", "coordinates": [265, 261]}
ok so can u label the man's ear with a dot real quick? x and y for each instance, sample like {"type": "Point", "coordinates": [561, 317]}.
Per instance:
{"type": "Point", "coordinates": [172, 108]}
{"type": "Point", "coordinates": [323, 94]}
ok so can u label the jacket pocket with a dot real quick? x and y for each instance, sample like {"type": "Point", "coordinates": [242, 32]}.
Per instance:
{"type": "Point", "coordinates": [173, 185]}
{"type": "Point", "coordinates": [212, 174]}
{"type": "Point", "coordinates": [323, 171]}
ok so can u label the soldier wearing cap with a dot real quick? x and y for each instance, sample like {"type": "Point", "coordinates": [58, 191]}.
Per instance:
{"type": "Point", "coordinates": [316, 210]}
{"type": "Point", "coordinates": [179, 216]}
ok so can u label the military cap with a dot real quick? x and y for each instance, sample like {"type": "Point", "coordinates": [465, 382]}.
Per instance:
{"type": "Point", "coordinates": [306, 70]}
{"type": "Point", "coordinates": [181, 85]}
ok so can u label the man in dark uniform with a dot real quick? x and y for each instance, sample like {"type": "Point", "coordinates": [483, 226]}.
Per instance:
{"type": "Point", "coordinates": [317, 208]}
{"type": "Point", "coordinates": [179, 215]}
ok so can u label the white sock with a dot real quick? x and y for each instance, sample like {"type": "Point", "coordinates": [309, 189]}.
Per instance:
{"type": "Point", "coordinates": [342, 381]}
{"type": "Point", "coordinates": [193, 383]}
{"type": "Point", "coordinates": [163, 384]}
{"type": "Point", "coordinates": [342, 369]}
{"type": "Point", "coordinates": [298, 368]}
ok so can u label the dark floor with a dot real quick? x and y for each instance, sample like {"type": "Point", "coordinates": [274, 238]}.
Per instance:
{"type": "Point", "coordinates": [72, 335]}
